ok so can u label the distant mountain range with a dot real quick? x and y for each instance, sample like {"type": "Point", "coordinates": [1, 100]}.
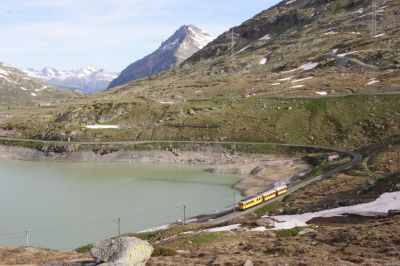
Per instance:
{"type": "Point", "coordinates": [18, 89]}
{"type": "Point", "coordinates": [87, 79]}
{"type": "Point", "coordinates": [186, 41]}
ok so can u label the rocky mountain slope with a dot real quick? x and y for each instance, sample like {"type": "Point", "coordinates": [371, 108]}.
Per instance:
{"type": "Point", "coordinates": [291, 67]}
{"type": "Point", "coordinates": [18, 89]}
{"type": "Point", "coordinates": [183, 43]}
{"type": "Point", "coordinates": [87, 79]}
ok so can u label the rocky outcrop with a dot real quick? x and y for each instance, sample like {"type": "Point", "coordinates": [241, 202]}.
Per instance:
{"type": "Point", "coordinates": [126, 251]}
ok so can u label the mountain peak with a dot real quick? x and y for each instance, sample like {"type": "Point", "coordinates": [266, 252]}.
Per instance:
{"type": "Point", "coordinates": [185, 41]}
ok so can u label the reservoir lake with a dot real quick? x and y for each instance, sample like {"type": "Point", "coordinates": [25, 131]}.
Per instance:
{"type": "Point", "coordinates": [67, 205]}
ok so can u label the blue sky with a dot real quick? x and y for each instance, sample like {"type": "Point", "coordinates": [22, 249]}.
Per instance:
{"type": "Point", "coordinates": [69, 34]}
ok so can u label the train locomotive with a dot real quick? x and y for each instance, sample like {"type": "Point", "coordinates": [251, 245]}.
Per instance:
{"type": "Point", "coordinates": [262, 197]}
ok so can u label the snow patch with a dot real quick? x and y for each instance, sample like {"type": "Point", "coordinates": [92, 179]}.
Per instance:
{"type": "Point", "coordinates": [297, 86]}
{"type": "Point", "coordinates": [309, 66]}
{"type": "Point", "coordinates": [265, 38]}
{"type": "Point", "coordinates": [381, 206]}
{"type": "Point", "coordinates": [348, 53]}
{"type": "Point", "coordinates": [322, 93]}
{"type": "Point", "coordinates": [4, 72]}
{"type": "Point", "coordinates": [330, 33]}
{"type": "Point", "coordinates": [166, 102]}
{"type": "Point", "coordinates": [33, 94]}
{"type": "Point", "coordinates": [263, 61]}
{"type": "Point", "coordinates": [156, 228]}
{"type": "Point", "coordinates": [290, 2]}
{"type": "Point", "coordinates": [103, 126]}
{"type": "Point", "coordinates": [223, 228]}
{"type": "Point", "coordinates": [22, 88]}
{"type": "Point", "coordinates": [299, 80]}
{"type": "Point", "coordinates": [276, 84]}
{"type": "Point", "coordinates": [286, 79]}
{"type": "Point", "coordinates": [372, 81]}
{"type": "Point", "coordinates": [379, 35]}
{"type": "Point", "coordinates": [259, 229]}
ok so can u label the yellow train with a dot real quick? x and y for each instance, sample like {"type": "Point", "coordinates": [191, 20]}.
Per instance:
{"type": "Point", "coordinates": [262, 197]}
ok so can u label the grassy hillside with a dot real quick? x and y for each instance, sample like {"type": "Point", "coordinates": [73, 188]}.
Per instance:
{"type": "Point", "coordinates": [19, 90]}
{"type": "Point", "coordinates": [306, 82]}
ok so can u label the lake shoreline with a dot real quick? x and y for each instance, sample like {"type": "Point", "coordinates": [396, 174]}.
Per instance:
{"type": "Point", "coordinates": [260, 171]}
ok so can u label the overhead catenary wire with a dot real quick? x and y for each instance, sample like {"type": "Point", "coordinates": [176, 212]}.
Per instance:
{"type": "Point", "coordinates": [106, 221]}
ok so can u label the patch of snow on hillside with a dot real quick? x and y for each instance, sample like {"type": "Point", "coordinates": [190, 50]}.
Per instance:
{"type": "Point", "coordinates": [42, 89]}
{"type": "Point", "coordinates": [223, 228]}
{"type": "Point", "coordinates": [299, 80]}
{"type": "Point", "coordinates": [297, 86]}
{"type": "Point", "coordinates": [286, 79]}
{"type": "Point", "coordinates": [330, 33]}
{"type": "Point", "coordinates": [265, 38]}
{"type": "Point", "coordinates": [322, 93]}
{"type": "Point", "coordinates": [7, 79]}
{"type": "Point", "coordinates": [309, 66]}
{"type": "Point", "coordinates": [360, 11]}
{"type": "Point", "coordinates": [243, 49]}
{"type": "Point", "coordinates": [349, 53]}
{"type": "Point", "coordinates": [356, 32]}
{"type": "Point", "coordinates": [263, 61]}
{"type": "Point", "coordinates": [154, 229]}
{"type": "Point", "coordinates": [379, 35]}
{"type": "Point", "coordinates": [33, 94]}
{"type": "Point", "coordinates": [276, 84]}
{"type": "Point", "coordinates": [22, 88]}
{"type": "Point", "coordinates": [103, 126]}
{"type": "Point", "coordinates": [4, 72]}
{"type": "Point", "coordinates": [259, 229]}
{"type": "Point", "coordinates": [381, 206]}
{"type": "Point", "coordinates": [290, 2]}
{"type": "Point", "coordinates": [334, 51]}
{"type": "Point", "coordinates": [372, 81]}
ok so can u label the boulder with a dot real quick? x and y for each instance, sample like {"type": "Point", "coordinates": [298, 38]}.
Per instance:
{"type": "Point", "coordinates": [127, 251]}
{"type": "Point", "coordinates": [266, 222]}
{"type": "Point", "coordinates": [248, 263]}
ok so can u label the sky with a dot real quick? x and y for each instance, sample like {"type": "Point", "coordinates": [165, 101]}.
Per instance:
{"type": "Point", "coordinates": [69, 34]}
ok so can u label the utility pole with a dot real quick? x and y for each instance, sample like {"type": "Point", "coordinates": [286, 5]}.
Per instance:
{"type": "Point", "coordinates": [26, 238]}
{"type": "Point", "coordinates": [150, 66]}
{"type": "Point", "coordinates": [373, 22]}
{"type": "Point", "coordinates": [234, 202]}
{"type": "Point", "coordinates": [184, 214]}
{"type": "Point", "coordinates": [119, 226]}
{"type": "Point", "coordinates": [232, 44]}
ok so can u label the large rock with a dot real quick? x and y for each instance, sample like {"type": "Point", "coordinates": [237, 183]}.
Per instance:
{"type": "Point", "coordinates": [266, 222]}
{"type": "Point", "coordinates": [123, 251]}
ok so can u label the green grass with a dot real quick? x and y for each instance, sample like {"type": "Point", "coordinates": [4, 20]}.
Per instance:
{"type": "Point", "coordinates": [160, 251]}
{"type": "Point", "coordinates": [267, 209]}
{"type": "Point", "coordinates": [288, 232]}
{"type": "Point", "coordinates": [84, 249]}
{"type": "Point", "coordinates": [205, 238]}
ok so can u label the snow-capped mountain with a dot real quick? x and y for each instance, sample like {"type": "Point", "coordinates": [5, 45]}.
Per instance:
{"type": "Point", "coordinates": [87, 79]}
{"type": "Point", "coordinates": [18, 89]}
{"type": "Point", "coordinates": [187, 40]}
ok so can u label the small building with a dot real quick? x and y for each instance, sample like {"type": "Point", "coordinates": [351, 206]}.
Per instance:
{"type": "Point", "coordinates": [333, 156]}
